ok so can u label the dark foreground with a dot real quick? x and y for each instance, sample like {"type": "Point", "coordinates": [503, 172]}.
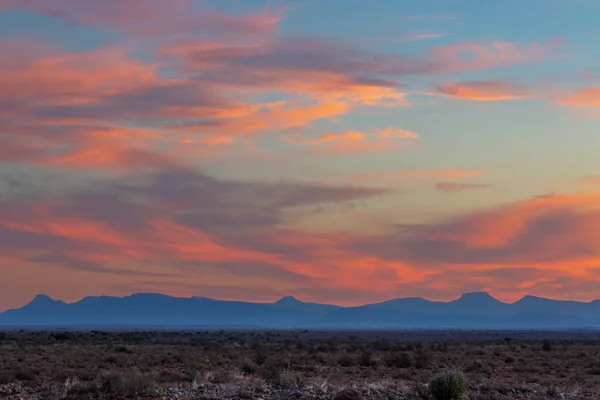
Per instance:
{"type": "Point", "coordinates": [295, 365]}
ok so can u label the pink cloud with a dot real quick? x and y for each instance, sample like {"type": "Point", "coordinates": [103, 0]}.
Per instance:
{"type": "Point", "coordinates": [349, 142]}
{"type": "Point", "coordinates": [416, 37]}
{"type": "Point", "coordinates": [118, 129]}
{"type": "Point", "coordinates": [355, 136]}
{"type": "Point", "coordinates": [483, 91]}
{"type": "Point", "coordinates": [469, 56]}
{"type": "Point", "coordinates": [589, 97]}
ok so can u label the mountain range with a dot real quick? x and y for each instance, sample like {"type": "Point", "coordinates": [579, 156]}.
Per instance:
{"type": "Point", "coordinates": [470, 311]}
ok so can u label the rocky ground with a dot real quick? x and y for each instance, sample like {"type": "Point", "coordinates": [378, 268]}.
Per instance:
{"type": "Point", "coordinates": [318, 391]}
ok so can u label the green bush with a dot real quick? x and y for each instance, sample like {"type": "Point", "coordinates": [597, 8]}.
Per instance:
{"type": "Point", "coordinates": [449, 385]}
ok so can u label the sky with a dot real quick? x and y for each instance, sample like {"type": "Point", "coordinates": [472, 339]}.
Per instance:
{"type": "Point", "coordinates": [338, 151]}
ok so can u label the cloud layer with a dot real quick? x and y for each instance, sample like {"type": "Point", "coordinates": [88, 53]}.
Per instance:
{"type": "Point", "coordinates": [152, 158]}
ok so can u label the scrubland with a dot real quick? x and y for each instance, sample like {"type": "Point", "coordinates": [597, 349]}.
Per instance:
{"type": "Point", "coordinates": [308, 365]}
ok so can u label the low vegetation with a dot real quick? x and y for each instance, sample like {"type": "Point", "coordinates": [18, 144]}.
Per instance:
{"type": "Point", "coordinates": [299, 365]}
{"type": "Point", "coordinates": [449, 385]}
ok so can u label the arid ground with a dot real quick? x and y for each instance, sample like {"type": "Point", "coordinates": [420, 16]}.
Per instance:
{"type": "Point", "coordinates": [295, 364]}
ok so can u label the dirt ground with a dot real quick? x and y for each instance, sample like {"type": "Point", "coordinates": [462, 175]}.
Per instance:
{"type": "Point", "coordinates": [295, 364]}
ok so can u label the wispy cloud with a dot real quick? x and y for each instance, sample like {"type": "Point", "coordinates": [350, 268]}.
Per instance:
{"type": "Point", "coordinates": [355, 136]}
{"type": "Point", "coordinates": [419, 36]}
{"type": "Point", "coordinates": [159, 93]}
{"type": "Point", "coordinates": [449, 173]}
{"type": "Point", "coordinates": [588, 97]}
{"type": "Point", "coordinates": [590, 180]}
{"type": "Point", "coordinates": [448, 16]}
{"type": "Point", "coordinates": [484, 91]}
{"type": "Point", "coordinates": [449, 187]}
{"type": "Point", "coordinates": [150, 18]}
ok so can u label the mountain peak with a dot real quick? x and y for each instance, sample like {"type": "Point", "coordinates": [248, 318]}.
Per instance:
{"type": "Point", "coordinates": [144, 295]}
{"type": "Point", "coordinates": [287, 300]}
{"type": "Point", "coordinates": [42, 299]}
{"type": "Point", "coordinates": [530, 299]}
{"type": "Point", "coordinates": [477, 296]}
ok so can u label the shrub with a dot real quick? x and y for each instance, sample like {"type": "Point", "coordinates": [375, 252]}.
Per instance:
{"type": "Point", "coordinates": [270, 371]}
{"type": "Point", "coordinates": [449, 385]}
{"type": "Point", "coordinates": [175, 376]}
{"type": "Point", "coordinates": [123, 349]}
{"type": "Point", "coordinates": [547, 346]}
{"type": "Point", "coordinates": [488, 396]}
{"type": "Point", "coordinates": [290, 379]}
{"type": "Point", "coordinates": [248, 366]}
{"type": "Point", "coordinates": [399, 360]}
{"type": "Point", "coordinates": [479, 367]}
{"type": "Point", "coordinates": [61, 336]}
{"type": "Point", "coordinates": [130, 384]}
{"type": "Point", "coordinates": [348, 394]}
{"type": "Point", "coordinates": [421, 391]}
{"type": "Point", "coordinates": [5, 377]}
{"type": "Point", "coordinates": [422, 358]}
{"type": "Point", "coordinates": [346, 360]}
{"type": "Point", "coordinates": [219, 376]}
{"type": "Point", "coordinates": [24, 375]}
{"type": "Point", "coordinates": [79, 390]}
{"type": "Point", "coordinates": [365, 360]}
{"type": "Point", "coordinates": [260, 355]}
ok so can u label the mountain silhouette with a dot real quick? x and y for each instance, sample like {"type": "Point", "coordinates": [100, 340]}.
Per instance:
{"type": "Point", "coordinates": [470, 311]}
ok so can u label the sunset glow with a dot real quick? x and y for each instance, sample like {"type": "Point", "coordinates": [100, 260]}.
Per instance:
{"type": "Point", "coordinates": [333, 151]}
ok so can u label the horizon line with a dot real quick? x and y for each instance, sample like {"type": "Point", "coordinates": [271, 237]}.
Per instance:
{"type": "Point", "coordinates": [293, 297]}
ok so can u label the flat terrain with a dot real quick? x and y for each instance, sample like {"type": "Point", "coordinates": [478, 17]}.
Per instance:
{"type": "Point", "coordinates": [295, 364]}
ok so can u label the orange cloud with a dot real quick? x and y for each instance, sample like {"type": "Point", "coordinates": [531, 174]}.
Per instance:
{"type": "Point", "coordinates": [74, 78]}
{"type": "Point", "coordinates": [188, 94]}
{"type": "Point", "coordinates": [554, 219]}
{"type": "Point", "coordinates": [158, 219]}
{"type": "Point", "coordinates": [91, 96]}
{"type": "Point", "coordinates": [590, 180]}
{"type": "Point", "coordinates": [201, 91]}
{"type": "Point", "coordinates": [589, 97]}
{"type": "Point", "coordinates": [510, 250]}
{"type": "Point", "coordinates": [258, 67]}
{"type": "Point", "coordinates": [353, 136]}
{"type": "Point", "coordinates": [376, 140]}
{"type": "Point", "coordinates": [483, 91]}
{"type": "Point", "coordinates": [330, 138]}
